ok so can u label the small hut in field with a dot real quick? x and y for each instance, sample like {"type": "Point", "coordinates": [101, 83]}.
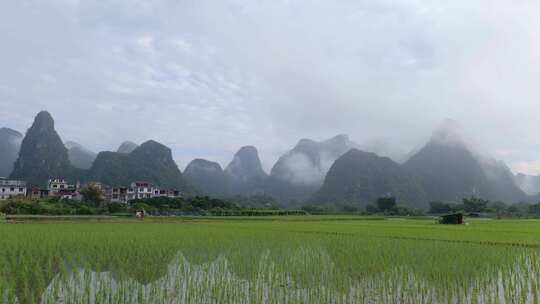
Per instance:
{"type": "Point", "coordinates": [452, 219]}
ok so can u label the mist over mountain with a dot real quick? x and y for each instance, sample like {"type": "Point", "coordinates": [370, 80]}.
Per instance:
{"type": "Point", "coordinates": [449, 168]}
{"type": "Point", "coordinates": [309, 161]}
{"type": "Point", "coordinates": [245, 172]}
{"type": "Point", "coordinates": [127, 147]}
{"type": "Point", "coordinates": [300, 172]}
{"type": "Point", "coordinates": [362, 177]}
{"type": "Point", "coordinates": [79, 156]}
{"type": "Point", "coordinates": [501, 182]}
{"type": "Point", "coordinates": [530, 184]}
{"type": "Point", "coordinates": [10, 143]}
{"type": "Point", "coordinates": [208, 177]}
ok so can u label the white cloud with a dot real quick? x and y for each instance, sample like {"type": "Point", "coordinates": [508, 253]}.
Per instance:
{"type": "Point", "coordinates": [206, 77]}
{"type": "Point", "coordinates": [526, 167]}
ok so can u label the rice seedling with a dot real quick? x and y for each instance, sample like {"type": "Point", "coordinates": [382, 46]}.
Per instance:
{"type": "Point", "coordinates": [277, 260]}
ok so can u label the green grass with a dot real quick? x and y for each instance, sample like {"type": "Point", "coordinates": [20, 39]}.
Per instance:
{"type": "Point", "coordinates": [296, 259]}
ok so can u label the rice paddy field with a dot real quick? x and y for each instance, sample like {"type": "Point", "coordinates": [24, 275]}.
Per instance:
{"type": "Point", "coordinates": [272, 260]}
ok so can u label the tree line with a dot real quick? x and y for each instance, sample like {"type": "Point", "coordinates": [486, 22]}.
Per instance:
{"type": "Point", "coordinates": [92, 204]}
{"type": "Point", "coordinates": [479, 205]}
{"type": "Point", "coordinates": [381, 206]}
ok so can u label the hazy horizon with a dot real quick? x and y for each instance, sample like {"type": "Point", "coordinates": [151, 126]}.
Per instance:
{"type": "Point", "coordinates": [206, 77]}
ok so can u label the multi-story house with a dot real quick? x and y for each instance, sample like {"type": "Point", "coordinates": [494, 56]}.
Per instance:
{"type": "Point", "coordinates": [10, 188]}
{"type": "Point", "coordinates": [143, 190]}
{"type": "Point", "coordinates": [119, 195]}
{"type": "Point", "coordinates": [37, 193]}
{"type": "Point", "coordinates": [138, 190]}
{"type": "Point", "coordinates": [59, 187]}
{"type": "Point", "coordinates": [130, 194]}
{"type": "Point", "coordinates": [171, 193]}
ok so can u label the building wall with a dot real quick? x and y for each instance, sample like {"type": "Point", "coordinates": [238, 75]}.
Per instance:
{"type": "Point", "coordinates": [12, 188]}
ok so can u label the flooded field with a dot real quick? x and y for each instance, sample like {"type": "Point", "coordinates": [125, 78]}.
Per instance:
{"type": "Point", "coordinates": [285, 260]}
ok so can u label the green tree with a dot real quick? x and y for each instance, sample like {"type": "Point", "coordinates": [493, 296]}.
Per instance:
{"type": "Point", "coordinates": [92, 194]}
{"type": "Point", "coordinates": [497, 207]}
{"type": "Point", "coordinates": [371, 209]}
{"type": "Point", "coordinates": [117, 208]}
{"type": "Point", "coordinates": [439, 207]}
{"type": "Point", "coordinates": [534, 209]}
{"type": "Point", "coordinates": [313, 209]}
{"type": "Point", "coordinates": [349, 208]}
{"type": "Point", "coordinates": [475, 204]}
{"type": "Point", "coordinates": [386, 204]}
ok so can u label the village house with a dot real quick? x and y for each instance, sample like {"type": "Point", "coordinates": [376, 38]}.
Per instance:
{"type": "Point", "coordinates": [137, 190]}
{"type": "Point", "coordinates": [143, 190]}
{"type": "Point", "coordinates": [10, 188]}
{"type": "Point", "coordinates": [119, 194]}
{"type": "Point", "coordinates": [59, 187]}
{"type": "Point", "coordinates": [38, 193]}
{"type": "Point", "coordinates": [170, 193]}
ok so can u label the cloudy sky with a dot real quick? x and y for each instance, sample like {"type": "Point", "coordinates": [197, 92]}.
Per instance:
{"type": "Point", "coordinates": [206, 77]}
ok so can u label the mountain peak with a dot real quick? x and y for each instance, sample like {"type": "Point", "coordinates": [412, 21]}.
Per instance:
{"type": "Point", "coordinates": [44, 121]}
{"type": "Point", "coordinates": [127, 147]}
{"type": "Point", "coordinates": [306, 142]}
{"type": "Point", "coordinates": [42, 154]}
{"type": "Point", "coordinates": [450, 169]}
{"type": "Point", "coordinates": [72, 144]}
{"type": "Point", "coordinates": [203, 164]}
{"type": "Point", "coordinates": [152, 162]}
{"type": "Point", "coordinates": [153, 149]}
{"type": "Point", "coordinates": [301, 171]}
{"type": "Point", "coordinates": [247, 151]}
{"type": "Point", "coordinates": [10, 142]}
{"type": "Point", "coordinates": [357, 153]}
{"type": "Point", "coordinates": [246, 172]}
{"type": "Point", "coordinates": [208, 177]}
{"type": "Point", "coordinates": [360, 177]}
{"type": "Point", "coordinates": [246, 160]}
{"type": "Point", "coordinates": [340, 139]}
{"type": "Point", "coordinates": [309, 160]}
{"type": "Point", "coordinates": [153, 143]}
{"type": "Point", "coordinates": [450, 133]}
{"type": "Point", "coordinates": [79, 156]}
{"type": "Point", "coordinates": [10, 132]}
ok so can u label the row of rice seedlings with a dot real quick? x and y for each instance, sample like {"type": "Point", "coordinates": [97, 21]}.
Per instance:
{"type": "Point", "coordinates": [257, 265]}
{"type": "Point", "coordinates": [216, 283]}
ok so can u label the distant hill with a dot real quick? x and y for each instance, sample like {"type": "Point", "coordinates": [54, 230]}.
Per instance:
{"type": "Point", "coordinates": [450, 170]}
{"type": "Point", "coordinates": [360, 177]}
{"type": "Point", "coordinates": [79, 156]}
{"type": "Point", "coordinates": [245, 173]}
{"type": "Point", "coordinates": [127, 147]}
{"type": "Point", "coordinates": [301, 171]}
{"type": "Point", "coordinates": [150, 162]}
{"type": "Point", "coordinates": [332, 171]}
{"type": "Point", "coordinates": [43, 154]}
{"type": "Point", "coordinates": [528, 183]}
{"type": "Point", "coordinates": [208, 177]}
{"type": "Point", "coordinates": [10, 144]}
{"type": "Point", "coordinates": [501, 183]}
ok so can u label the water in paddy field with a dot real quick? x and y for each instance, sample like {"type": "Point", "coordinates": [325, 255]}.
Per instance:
{"type": "Point", "coordinates": [216, 282]}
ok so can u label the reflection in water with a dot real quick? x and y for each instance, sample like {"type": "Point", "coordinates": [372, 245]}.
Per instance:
{"type": "Point", "coordinates": [215, 282]}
